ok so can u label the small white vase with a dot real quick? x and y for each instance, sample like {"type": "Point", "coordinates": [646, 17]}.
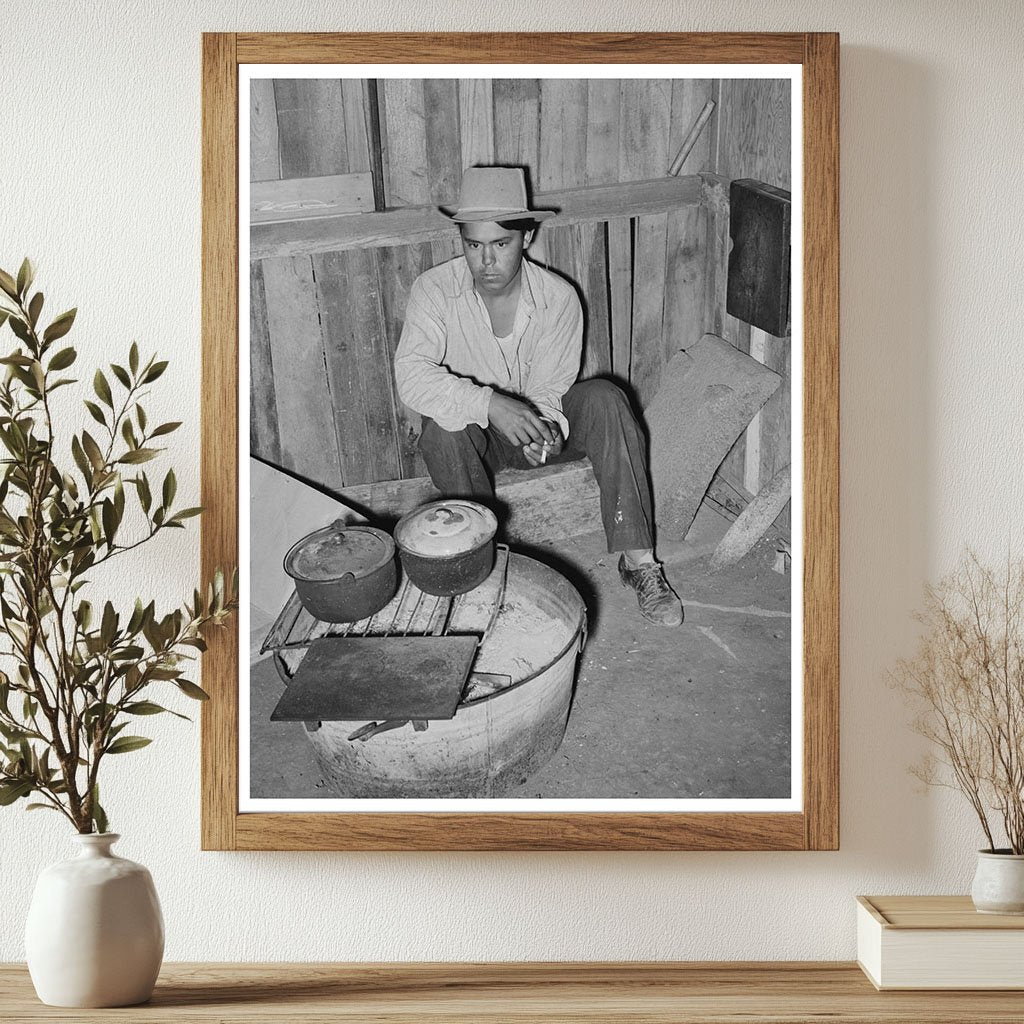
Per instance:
{"type": "Point", "coordinates": [999, 882]}
{"type": "Point", "coordinates": [95, 933]}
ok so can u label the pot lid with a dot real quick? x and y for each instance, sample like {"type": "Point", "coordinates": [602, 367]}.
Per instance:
{"type": "Point", "coordinates": [337, 550]}
{"type": "Point", "coordinates": [445, 528]}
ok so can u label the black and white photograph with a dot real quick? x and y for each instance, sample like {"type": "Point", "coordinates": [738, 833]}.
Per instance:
{"type": "Point", "coordinates": [521, 487]}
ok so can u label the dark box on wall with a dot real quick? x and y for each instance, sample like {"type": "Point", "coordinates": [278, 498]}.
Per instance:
{"type": "Point", "coordinates": [758, 288]}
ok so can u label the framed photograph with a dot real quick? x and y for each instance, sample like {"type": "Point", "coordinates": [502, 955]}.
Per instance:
{"type": "Point", "coordinates": [520, 417]}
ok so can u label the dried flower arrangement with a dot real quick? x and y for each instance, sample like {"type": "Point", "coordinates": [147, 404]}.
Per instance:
{"type": "Point", "coordinates": [967, 679]}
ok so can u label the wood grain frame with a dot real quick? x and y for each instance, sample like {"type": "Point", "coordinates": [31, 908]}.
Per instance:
{"type": "Point", "coordinates": [817, 826]}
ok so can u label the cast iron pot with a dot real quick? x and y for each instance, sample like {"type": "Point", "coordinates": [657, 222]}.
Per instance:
{"type": "Point", "coordinates": [343, 573]}
{"type": "Point", "coordinates": [447, 547]}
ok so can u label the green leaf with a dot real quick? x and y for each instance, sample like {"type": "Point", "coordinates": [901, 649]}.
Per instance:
{"type": "Point", "coordinates": [185, 513]}
{"type": "Point", "coordinates": [145, 498]}
{"type": "Point", "coordinates": [4, 314]}
{"type": "Point", "coordinates": [26, 273]}
{"type": "Point", "coordinates": [60, 326]}
{"type": "Point", "coordinates": [138, 455]}
{"type": "Point", "coordinates": [121, 374]}
{"type": "Point", "coordinates": [34, 308]}
{"type": "Point", "coordinates": [96, 412]}
{"type": "Point", "coordinates": [109, 519]}
{"type": "Point", "coordinates": [79, 456]}
{"type": "Point", "coordinates": [140, 415]}
{"type": "Point", "coordinates": [165, 428]}
{"type": "Point", "coordinates": [99, 817]}
{"type": "Point", "coordinates": [108, 627]}
{"type": "Point", "coordinates": [154, 371]}
{"type": "Point", "coordinates": [8, 284]}
{"type": "Point", "coordinates": [170, 488]}
{"type": "Point", "coordinates": [41, 807]}
{"type": "Point", "coordinates": [92, 449]}
{"type": "Point", "coordinates": [128, 433]}
{"type": "Point", "coordinates": [144, 707]}
{"type": "Point", "coordinates": [11, 791]}
{"type": "Point", "coordinates": [133, 358]}
{"type": "Point", "coordinates": [102, 388]}
{"type": "Point", "coordinates": [20, 329]}
{"type": "Point", "coordinates": [125, 744]}
{"type": "Point", "coordinates": [191, 690]}
{"type": "Point", "coordinates": [63, 359]}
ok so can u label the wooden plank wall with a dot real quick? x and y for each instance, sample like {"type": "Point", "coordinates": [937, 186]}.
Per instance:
{"type": "Point", "coordinates": [324, 329]}
{"type": "Point", "coordinates": [750, 138]}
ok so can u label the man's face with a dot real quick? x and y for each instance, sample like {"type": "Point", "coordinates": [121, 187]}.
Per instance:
{"type": "Point", "coordinates": [494, 254]}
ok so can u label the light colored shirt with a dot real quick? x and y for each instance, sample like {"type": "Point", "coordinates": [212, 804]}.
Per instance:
{"type": "Point", "coordinates": [449, 361]}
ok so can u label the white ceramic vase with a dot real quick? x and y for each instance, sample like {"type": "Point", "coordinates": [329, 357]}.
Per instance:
{"type": "Point", "coordinates": [999, 883]}
{"type": "Point", "coordinates": [95, 933]}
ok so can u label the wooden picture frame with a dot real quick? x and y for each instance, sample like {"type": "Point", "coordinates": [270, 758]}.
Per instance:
{"type": "Point", "coordinates": [816, 825]}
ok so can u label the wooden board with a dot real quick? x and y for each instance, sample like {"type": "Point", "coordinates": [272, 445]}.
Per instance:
{"type": "Point", "coordinates": [264, 147]}
{"type": "Point", "coordinates": [359, 377]}
{"type": "Point", "coordinates": [264, 435]}
{"type": "Point", "coordinates": [754, 130]}
{"type": "Point", "coordinates": [355, 101]}
{"type": "Point", "coordinates": [476, 122]}
{"type": "Point", "coordinates": [425, 224]}
{"type": "Point", "coordinates": [398, 268]}
{"type": "Point", "coordinates": [311, 123]}
{"type": "Point", "coordinates": [543, 504]}
{"type": "Point", "coordinates": [405, 141]}
{"type": "Point", "coordinates": [309, 445]}
{"type": "Point", "coordinates": [521, 993]}
{"type": "Point", "coordinates": [308, 198]}
{"type": "Point", "coordinates": [645, 113]}
{"type": "Point", "coordinates": [686, 228]}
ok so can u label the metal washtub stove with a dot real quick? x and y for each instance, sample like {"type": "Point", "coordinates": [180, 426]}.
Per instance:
{"type": "Point", "coordinates": [490, 690]}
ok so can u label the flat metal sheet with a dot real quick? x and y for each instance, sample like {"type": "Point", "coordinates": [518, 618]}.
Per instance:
{"type": "Point", "coordinates": [377, 678]}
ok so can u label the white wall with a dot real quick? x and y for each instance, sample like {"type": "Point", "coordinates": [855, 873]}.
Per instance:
{"type": "Point", "coordinates": [99, 182]}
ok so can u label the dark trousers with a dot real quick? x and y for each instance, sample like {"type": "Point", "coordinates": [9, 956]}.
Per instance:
{"type": "Point", "coordinates": [601, 426]}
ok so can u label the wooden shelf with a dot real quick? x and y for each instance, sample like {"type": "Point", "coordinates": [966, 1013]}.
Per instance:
{"type": "Point", "coordinates": [679, 993]}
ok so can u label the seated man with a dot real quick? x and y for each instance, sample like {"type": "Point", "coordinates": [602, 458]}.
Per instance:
{"type": "Point", "coordinates": [489, 355]}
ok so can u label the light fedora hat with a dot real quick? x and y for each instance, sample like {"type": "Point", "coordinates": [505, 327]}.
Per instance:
{"type": "Point", "coordinates": [493, 193]}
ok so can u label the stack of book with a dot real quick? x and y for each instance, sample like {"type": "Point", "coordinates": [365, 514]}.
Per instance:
{"type": "Point", "coordinates": [938, 942]}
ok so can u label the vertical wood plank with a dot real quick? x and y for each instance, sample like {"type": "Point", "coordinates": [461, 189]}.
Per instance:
{"type": "Point", "coordinates": [406, 142]}
{"type": "Point", "coordinates": [311, 125]}
{"type": "Point", "coordinates": [776, 416]}
{"type": "Point", "coordinates": [264, 155]}
{"type": "Point", "coordinates": [620, 281]}
{"type": "Point", "coordinates": [264, 438]}
{"type": "Point", "coordinates": [517, 138]}
{"type": "Point", "coordinates": [444, 151]}
{"type": "Point", "coordinates": [476, 122]}
{"type": "Point", "coordinates": [219, 429]}
{"type": "Point", "coordinates": [594, 271]}
{"type": "Point", "coordinates": [355, 103]}
{"type": "Point", "coordinates": [752, 456]}
{"type": "Point", "coordinates": [358, 365]}
{"type": "Point", "coordinates": [754, 130]}
{"type": "Point", "coordinates": [517, 124]}
{"type": "Point", "coordinates": [686, 229]}
{"type": "Point", "coordinates": [309, 446]}
{"type": "Point", "coordinates": [563, 133]}
{"type": "Point", "coordinates": [645, 118]}
{"type": "Point", "coordinates": [400, 265]}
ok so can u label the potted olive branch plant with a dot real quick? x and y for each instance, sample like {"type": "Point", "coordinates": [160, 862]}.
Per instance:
{"type": "Point", "coordinates": [75, 673]}
{"type": "Point", "coordinates": [966, 681]}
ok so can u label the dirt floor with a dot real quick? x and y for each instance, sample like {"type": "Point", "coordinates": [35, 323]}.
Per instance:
{"type": "Point", "coordinates": [699, 711]}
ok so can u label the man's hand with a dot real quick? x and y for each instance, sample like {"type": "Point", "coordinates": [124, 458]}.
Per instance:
{"type": "Point", "coordinates": [538, 454]}
{"type": "Point", "coordinates": [516, 420]}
